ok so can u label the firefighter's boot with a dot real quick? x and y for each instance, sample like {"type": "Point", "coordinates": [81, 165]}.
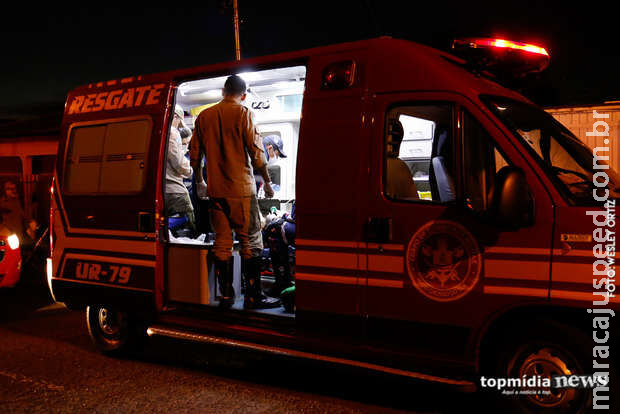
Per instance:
{"type": "Point", "coordinates": [224, 275]}
{"type": "Point", "coordinates": [254, 298]}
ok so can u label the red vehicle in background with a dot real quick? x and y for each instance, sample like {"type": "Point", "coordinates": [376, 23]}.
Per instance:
{"type": "Point", "coordinates": [28, 146]}
{"type": "Point", "coordinates": [10, 258]}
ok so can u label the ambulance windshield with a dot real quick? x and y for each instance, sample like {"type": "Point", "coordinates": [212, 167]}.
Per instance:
{"type": "Point", "coordinates": [570, 162]}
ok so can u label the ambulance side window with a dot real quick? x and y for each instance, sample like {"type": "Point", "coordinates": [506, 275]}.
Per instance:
{"type": "Point", "coordinates": [482, 160]}
{"type": "Point", "coordinates": [107, 158]}
{"type": "Point", "coordinates": [418, 153]}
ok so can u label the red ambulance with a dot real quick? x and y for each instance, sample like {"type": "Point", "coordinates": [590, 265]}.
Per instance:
{"type": "Point", "coordinates": [446, 227]}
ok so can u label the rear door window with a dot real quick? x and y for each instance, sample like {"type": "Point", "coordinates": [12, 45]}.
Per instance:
{"type": "Point", "coordinates": [107, 158]}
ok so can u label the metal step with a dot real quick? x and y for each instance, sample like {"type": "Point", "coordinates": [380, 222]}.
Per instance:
{"type": "Point", "coordinates": [158, 330]}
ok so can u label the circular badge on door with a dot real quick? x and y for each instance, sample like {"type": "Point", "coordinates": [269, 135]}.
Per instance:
{"type": "Point", "coordinates": [443, 260]}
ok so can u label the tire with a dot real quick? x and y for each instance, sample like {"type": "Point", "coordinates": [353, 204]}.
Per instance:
{"type": "Point", "coordinates": [114, 332]}
{"type": "Point", "coordinates": [545, 349]}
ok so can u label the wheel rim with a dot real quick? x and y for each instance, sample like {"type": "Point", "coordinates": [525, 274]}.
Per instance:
{"type": "Point", "coordinates": [109, 322]}
{"type": "Point", "coordinates": [547, 363]}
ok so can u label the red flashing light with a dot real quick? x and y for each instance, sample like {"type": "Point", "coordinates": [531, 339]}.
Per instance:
{"type": "Point", "coordinates": [339, 75]}
{"type": "Point", "coordinates": [501, 56]}
{"type": "Point", "coordinates": [510, 44]}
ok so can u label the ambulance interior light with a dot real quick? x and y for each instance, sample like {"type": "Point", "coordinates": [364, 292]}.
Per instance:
{"type": "Point", "coordinates": [285, 85]}
{"type": "Point", "coordinates": [198, 91]}
{"type": "Point", "coordinates": [249, 77]}
{"type": "Point", "coordinates": [212, 94]}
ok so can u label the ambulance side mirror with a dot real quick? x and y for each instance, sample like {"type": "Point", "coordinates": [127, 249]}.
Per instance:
{"type": "Point", "coordinates": [511, 205]}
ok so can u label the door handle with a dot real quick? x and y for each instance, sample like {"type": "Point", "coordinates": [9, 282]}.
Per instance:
{"type": "Point", "coordinates": [145, 222]}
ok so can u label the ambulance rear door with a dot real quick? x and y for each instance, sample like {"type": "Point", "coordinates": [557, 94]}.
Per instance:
{"type": "Point", "coordinates": [104, 204]}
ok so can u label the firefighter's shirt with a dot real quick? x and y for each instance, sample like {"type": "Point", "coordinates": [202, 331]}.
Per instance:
{"type": "Point", "coordinates": [226, 134]}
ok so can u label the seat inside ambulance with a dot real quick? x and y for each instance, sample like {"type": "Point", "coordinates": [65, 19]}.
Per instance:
{"type": "Point", "coordinates": [442, 185]}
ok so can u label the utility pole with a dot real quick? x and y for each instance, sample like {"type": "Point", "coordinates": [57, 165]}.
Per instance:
{"type": "Point", "coordinates": [236, 20]}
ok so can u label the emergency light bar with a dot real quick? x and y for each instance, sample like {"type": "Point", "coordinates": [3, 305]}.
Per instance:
{"type": "Point", "coordinates": [509, 44]}
{"type": "Point", "coordinates": [501, 55]}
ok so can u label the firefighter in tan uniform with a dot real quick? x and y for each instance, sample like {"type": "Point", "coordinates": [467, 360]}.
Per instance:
{"type": "Point", "coordinates": [226, 135]}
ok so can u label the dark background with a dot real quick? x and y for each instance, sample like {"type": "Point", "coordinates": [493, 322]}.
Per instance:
{"type": "Point", "coordinates": [50, 49]}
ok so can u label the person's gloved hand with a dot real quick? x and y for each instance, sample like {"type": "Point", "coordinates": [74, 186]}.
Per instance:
{"type": "Point", "coordinates": [268, 190]}
{"type": "Point", "coordinates": [201, 190]}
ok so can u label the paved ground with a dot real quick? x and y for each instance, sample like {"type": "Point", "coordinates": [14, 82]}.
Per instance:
{"type": "Point", "coordinates": [48, 364]}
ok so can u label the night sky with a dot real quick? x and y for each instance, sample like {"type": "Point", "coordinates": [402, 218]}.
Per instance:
{"type": "Point", "coordinates": [48, 50]}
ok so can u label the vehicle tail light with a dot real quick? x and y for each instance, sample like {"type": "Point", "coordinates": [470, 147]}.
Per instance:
{"type": "Point", "coordinates": [49, 272]}
{"type": "Point", "coordinates": [52, 204]}
{"type": "Point", "coordinates": [13, 241]}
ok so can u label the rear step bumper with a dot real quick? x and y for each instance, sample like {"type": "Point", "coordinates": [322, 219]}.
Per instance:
{"type": "Point", "coordinates": [461, 385]}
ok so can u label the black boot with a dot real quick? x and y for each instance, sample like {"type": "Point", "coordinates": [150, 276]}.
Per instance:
{"type": "Point", "coordinates": [254, 298]}
{"type": "Point", "coordinates": [283, 279]}
{"type": "Point", "coordinates": [224, 275]}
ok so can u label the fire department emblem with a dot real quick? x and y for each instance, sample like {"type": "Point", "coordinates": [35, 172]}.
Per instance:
{"type": "Point", "coordinates": [443, 261]}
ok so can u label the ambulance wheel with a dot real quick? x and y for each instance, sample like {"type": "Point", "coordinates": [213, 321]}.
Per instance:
{"type": "Point", "coordinates": [112, 331]}
{"type": "Point", "coordinates": [544, 351]}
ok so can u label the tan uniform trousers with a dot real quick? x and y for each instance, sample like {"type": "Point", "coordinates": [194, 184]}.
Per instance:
{"type": "Point", "coordinates": [254, 232]}
{"type": "Point", "coordinates": [228, 214]}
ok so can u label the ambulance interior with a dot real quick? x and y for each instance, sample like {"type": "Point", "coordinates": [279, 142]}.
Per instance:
{"type": "Point", "coordinates": [415, 150]}
{"type": "Point", "coordinates": [275, 97]}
